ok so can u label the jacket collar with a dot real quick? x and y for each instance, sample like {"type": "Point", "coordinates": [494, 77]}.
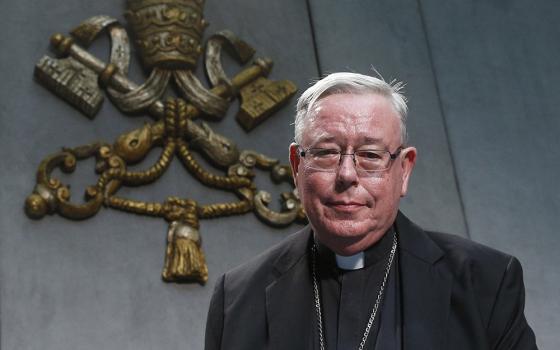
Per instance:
{"type": "Point", "coordinates": [414, 240]}
{"type": "Point", "coordinates": [289, 298]}
{"type": "Point", "coordinates": [295, 249]}
{"type": "Point", "coordinates": [426, 285]}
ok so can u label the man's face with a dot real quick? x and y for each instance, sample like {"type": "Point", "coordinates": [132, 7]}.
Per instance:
{"type": "Point", "coordinates": [351, 210]}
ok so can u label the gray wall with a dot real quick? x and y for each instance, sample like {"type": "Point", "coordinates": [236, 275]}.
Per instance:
{"type": "Point", "coordinates": [481, 78]}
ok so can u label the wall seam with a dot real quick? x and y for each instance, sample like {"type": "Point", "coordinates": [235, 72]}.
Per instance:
{"type": "Point", "coordinates": [443, 116]}
{"type": "Point", "coordinates": [314, 39]}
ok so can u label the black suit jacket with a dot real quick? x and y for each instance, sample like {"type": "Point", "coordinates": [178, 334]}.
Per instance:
{"type": "Point", "coordinates": [456, 294]}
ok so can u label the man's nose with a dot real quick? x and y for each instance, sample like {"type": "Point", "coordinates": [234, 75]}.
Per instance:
{"type": "Point", "coordinates": [347, 175]}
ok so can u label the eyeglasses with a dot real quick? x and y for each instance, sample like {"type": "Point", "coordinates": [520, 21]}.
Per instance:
{"type": "Point", "coordinates": [369, 160]}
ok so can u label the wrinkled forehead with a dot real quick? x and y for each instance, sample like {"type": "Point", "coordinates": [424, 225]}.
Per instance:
{"type": "Point", "coordinates": [353, 118]}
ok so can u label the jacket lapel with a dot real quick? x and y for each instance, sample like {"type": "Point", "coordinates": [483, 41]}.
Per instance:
{"type": "Point", "coordinates": [289, 298]}
{"type": "Point", "coordinates": [425, 288]}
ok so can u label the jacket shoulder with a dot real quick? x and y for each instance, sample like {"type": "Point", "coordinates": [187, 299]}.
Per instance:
{"type": "Point", "coordinates": [496, 279]}
{"type": "Point", "coordinates": [479, 269]}
{"type": "Point", "coordinates": [460, 251]}
{"type": "Point", "coordinates": [261, 270]}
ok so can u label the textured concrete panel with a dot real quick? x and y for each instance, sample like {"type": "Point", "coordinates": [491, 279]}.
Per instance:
{"type": "Point", "coordinates": [498, 70]}
{"type": "Point", "coordinates": [96, 284]}
{"type": "Point", "coordinates": [388, 35]}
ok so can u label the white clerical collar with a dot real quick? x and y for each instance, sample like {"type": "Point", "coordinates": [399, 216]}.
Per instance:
{"type": "Point", "coordinates": [352, 262]}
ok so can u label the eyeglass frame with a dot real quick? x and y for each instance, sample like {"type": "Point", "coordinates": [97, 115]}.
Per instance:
{"type": "Point", "coordinates": [392, 156]}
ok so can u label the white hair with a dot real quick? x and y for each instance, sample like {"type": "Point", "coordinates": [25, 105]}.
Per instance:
{"type": "Point", "coordinates": [346, 82]}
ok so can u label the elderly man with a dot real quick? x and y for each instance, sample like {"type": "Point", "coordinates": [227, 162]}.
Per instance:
{"type": "Point", "coordinates": [361, 275]}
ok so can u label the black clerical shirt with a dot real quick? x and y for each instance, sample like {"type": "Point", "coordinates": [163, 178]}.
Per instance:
{"type": "Point", "coordinates": [348, 297]}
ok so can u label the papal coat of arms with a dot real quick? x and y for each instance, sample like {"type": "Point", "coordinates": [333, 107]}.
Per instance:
{"type": "Point", "coordinates": [168, 36]}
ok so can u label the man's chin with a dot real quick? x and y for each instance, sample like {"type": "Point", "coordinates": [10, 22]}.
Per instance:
{"type": "Point", "coordinates": [351, 224]}
{"type": "Point", "coordinates": [345, 230]}
{"type": "Point", "coordinates": [345, 236]}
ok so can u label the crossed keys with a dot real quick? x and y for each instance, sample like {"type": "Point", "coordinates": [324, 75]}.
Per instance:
{"type": "Point", "coordinates": [168, 35]}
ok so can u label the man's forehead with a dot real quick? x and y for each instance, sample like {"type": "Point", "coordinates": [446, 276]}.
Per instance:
{"type": "Point", "coordinates": [341, 103]}
{"type": "Point", "coordinates": [343, 115]}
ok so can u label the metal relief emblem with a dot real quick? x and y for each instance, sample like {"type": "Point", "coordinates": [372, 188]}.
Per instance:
{"type": "Point", "coordinates": [168, 36]}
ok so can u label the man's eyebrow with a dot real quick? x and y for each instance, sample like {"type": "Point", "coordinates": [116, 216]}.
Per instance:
{"type": "Point", "coordinates": [371, 140]}
{"type": "Point", "coordinates": [324, 137]}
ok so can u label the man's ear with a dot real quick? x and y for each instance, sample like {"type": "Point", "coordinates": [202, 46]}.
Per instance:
{"type": "Point", "coordinates": [294, 160]}
{"type": "Point", "coordinates": [408, 160]}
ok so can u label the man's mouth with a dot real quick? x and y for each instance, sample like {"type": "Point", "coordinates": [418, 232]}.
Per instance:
{"type": "Point", "coordinates": [347, 206]}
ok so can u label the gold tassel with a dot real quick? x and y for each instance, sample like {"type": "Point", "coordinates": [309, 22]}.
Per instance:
{"type": "Point", "coordinates": [184, 259]}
